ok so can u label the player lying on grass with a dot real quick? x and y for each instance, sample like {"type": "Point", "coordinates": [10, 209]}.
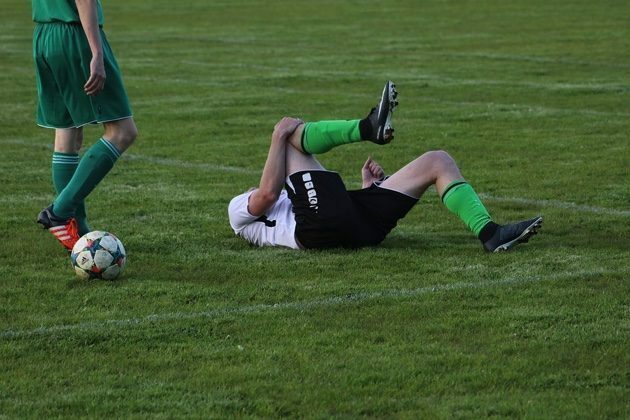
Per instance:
{"type": "Point", "coordinates": [315, 211]}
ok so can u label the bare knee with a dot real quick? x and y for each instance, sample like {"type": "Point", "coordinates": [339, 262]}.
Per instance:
{"type": "Point", "coordinates": [443, 169]}
{"type": "Point", "coordinates": [438, 160]}
{"type": "Point", "coordinates": [121, 133]}
{"type": "Point", "coordinates": [130, 135]}
{"type": "Point", "coordinates": [68, 140]}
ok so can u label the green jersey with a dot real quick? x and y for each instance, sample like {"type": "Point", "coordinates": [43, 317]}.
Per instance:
{"type": "Point", "coordinates": [47, 11]}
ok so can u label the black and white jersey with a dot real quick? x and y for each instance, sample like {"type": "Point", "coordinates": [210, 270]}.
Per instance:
{"type": "Point", "coordinates": [275, 228]}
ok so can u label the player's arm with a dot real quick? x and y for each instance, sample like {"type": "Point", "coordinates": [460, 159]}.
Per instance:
{"type": "Point", "coordinates": [274, 172]}
{"type": "Point", "coordinates": [88, 14]}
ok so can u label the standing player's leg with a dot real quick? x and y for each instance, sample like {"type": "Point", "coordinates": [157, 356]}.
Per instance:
{"type": "Point", "coordinates": [62, 216]}
{"type": "Point", "coordinates": [64, 103]}
{"type": "Point", "coordinates": [438, 168]}
{"type": "Point", "coordinates": [96, 163]}
{"type": "Point", "coordinates": [65, 160]}
{"type": "Point", "coordinates": [321, 136]}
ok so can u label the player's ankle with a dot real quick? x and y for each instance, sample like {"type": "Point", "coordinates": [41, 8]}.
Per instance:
{"type": "Point", "coordinates": [488, 231]}
{"type": "Point", "coordinates": [366, 129]}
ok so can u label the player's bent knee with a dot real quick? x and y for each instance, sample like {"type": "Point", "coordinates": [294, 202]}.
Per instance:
{"type": "Point", "coordinates": [123, 136]}
{"type": "Point", "coordinates": [121, 132]}
{"type": "Point", "coordinates": [436, 162]}
{"type": "Point", "coordinates": [439, 157]}
{"type": "Point", "coordinates": [131, 135]}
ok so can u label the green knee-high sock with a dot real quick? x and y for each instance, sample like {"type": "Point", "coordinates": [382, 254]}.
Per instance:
{"type": "Point", "coordinates": [460, 198]}
{"type": "Point", "coordinates": [95, 164]}
{"type": "Point", "coordinates": [321, 136]}
{"type": "Point", "coordinates": [64, 166]}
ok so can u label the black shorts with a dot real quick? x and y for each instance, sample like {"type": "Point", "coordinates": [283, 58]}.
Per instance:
{"type": "Point", "coordinates": [329, 216]}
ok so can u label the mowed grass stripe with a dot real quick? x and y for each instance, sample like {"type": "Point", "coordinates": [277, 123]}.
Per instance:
{"type": "Point", "coordinates": [580, 208]}
{"type": "Point", "coordinates": [300, 306]}
{"type": "Point", "coordinates": [557, 204]}
{"type": "Point", "coordinates": [154, 160]}
{"type": "Point", "coordinates": [420, 79]}
{"type": "Point", "coordinates": [558, 60]}
{"type": "Point", "coordinates": [529, 109]}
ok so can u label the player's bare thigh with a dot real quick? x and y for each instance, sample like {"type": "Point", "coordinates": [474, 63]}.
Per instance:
{"type": "Point", "coordinates": [435, 167]}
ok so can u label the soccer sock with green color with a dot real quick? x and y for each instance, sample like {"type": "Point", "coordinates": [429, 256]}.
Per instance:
{"type": "Point", "coordinates": [460, 198]}
{"type": "Point", "coordinates": [321, 136]}
{"type": "Point", "coordinates": [97, 161]}
{"type": "Point", "coordinates": [64, 166]}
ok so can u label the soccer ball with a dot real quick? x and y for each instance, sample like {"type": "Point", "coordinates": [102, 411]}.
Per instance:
{"type": "Point", "coordinates": [98, 255]}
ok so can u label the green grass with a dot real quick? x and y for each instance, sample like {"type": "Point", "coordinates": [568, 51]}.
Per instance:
{"type": "Point", "coordinates": [531, 98]}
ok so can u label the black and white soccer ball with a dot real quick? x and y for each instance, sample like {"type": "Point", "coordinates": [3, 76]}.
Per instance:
{"type": "Point", "coordinates": [98, 255]}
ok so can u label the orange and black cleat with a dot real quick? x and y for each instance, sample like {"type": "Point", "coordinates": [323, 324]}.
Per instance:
{"type": "Point", "coordinates": [65, 230]}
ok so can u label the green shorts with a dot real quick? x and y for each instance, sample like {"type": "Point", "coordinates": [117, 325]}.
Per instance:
{"type": "Point", "coordinates": [62, 66]}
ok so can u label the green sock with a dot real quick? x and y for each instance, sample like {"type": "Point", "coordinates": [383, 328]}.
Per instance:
{"type": "Point", "coordinates": [460, 198]}
{"type": "Point", "coordinates": [63, 167]}
{"type": "Point", "coordinates": [95, 164]}
{"type": "Point", "coordinates": [319, 137]}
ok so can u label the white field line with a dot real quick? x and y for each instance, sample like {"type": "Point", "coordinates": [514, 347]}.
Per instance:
{"type": "Point", "coordinates": [222, 168]}
{"type": "Point", "coordinates": [580, 208]}
{"type": "Point", "coordinates": [435, 79]}
{"type": "Point", "coordinates": [190, 165]}
{"type": "Point", "coordinates": [588, 86]}
{"type": "Point", "coordinates": [156, 160]}
{"type": "Point", "coordinates": [527, 109]}
{"type": "Point", "coordinates": [530, 58]}
{"type": "Point", "coordinates": [299, 306]}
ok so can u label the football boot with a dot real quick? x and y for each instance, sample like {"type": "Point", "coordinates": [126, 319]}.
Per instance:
{"type": "Point", "coordinates": [380, 117]}
{"type": "Point", "coordinates": [507, 236]}
{"type": "Point", "coordinates": [65, 230]}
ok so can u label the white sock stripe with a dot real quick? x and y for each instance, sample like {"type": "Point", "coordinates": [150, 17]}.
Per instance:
{"type": "Point", "coordinates": [111, 147]}
{"type": "Point", "coordinates": [66, 161]}
{"type": "Point", "coordinates": [65, 155]}
{"type": "Point", "coordinates": [57, 156]}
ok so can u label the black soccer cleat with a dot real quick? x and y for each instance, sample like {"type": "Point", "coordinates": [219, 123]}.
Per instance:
{"type": "Point", "coordinates": [507, 236]}
{"type": "Point", "coordinates": [65, 230]}
{"type": "Point", "coordinates": [380, 117]}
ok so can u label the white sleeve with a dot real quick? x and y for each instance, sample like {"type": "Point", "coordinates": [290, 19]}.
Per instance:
{"type": "Point", "coordinates": [238, 213]}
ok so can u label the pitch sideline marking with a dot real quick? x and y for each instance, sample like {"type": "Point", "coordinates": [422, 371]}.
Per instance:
{"type": "Point", "coordinates": [557, 204]}
{"type": "Point", "coordinates": [223, 168]}
{"type": "Point", "coordinates": [300, 306]}
{"type": "Point", "coordinates": [156, 160]}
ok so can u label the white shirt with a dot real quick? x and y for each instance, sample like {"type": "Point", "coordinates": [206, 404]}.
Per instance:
{"type": "Point", "coordinates": [275, 228]}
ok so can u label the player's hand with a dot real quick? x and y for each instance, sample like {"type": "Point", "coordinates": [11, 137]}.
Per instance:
{"type": "Point", "coordinates": [286, 126]}
{"type": "Point", "coordinates": [371, 172]}
{"type": "Point", "coordinates": [96, 81]}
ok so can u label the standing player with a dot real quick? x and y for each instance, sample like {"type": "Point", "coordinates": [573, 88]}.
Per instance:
{"type": "Point", "coordinates": [78, 83]}
{"type": "Point", "coordinates": [316, 211]}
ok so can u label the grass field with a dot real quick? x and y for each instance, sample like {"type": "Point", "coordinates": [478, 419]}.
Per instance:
{"type": "Point", "coordinates": [532, 98]}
